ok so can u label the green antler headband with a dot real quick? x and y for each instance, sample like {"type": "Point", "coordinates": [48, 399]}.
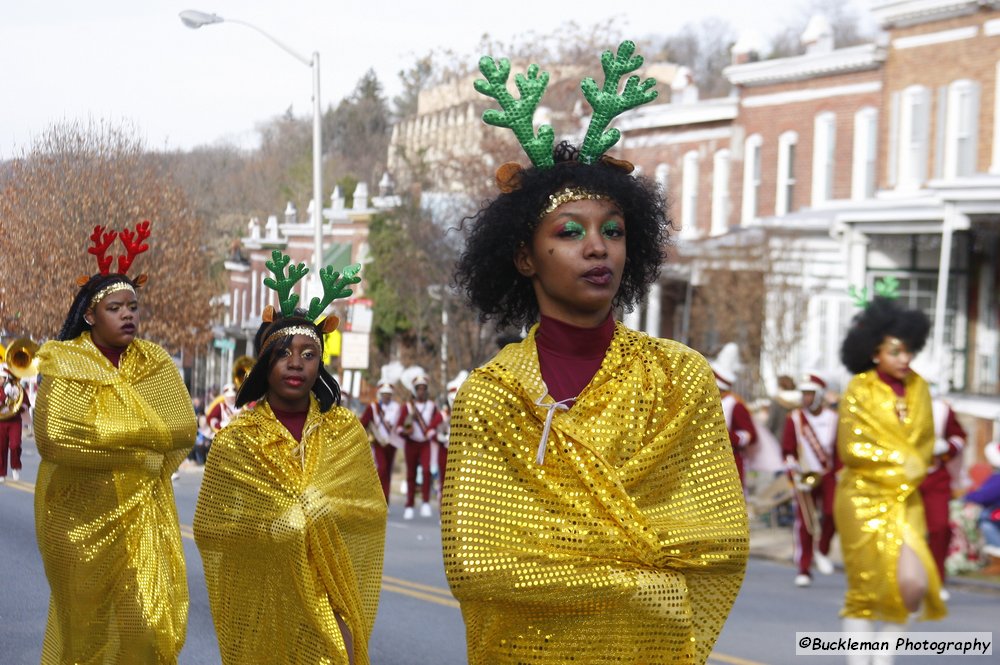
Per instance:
{"type": "Point", "coordinates": [885, 287]}
{"type": "Point", "coordinates": [606, 102]}
{"type": "Point", "coordinates": [335, 285]}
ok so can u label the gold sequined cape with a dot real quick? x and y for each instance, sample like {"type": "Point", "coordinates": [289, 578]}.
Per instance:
{"type": "Point", "coordinates": [877, 506]}
{"type": "Point", "coordinates": [104, 504]}
{"type": "Point", "coordinates": [628, 544]}
{"type": "Point", "coordinates": [289, 542]}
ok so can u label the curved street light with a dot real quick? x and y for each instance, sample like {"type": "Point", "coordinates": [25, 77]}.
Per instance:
{"type": "Point", "coordinates": [195, 19]}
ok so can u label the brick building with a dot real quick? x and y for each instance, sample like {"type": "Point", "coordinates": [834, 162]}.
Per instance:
{"type": "Point", "coordinates": [832, 169]}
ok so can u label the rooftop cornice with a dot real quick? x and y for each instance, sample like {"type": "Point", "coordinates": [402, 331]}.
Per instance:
{"type": "Point", "coordinates": [674, 115]}
{"type": "Point", "coordinates": [810, 65]}
{"type": "Point", "coordinates": [904, 13]}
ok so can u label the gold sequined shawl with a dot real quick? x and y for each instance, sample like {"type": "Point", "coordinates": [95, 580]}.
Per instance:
{"type": "Point", "coordinates": [877, 506]}
{"type": "Point", "coordinates": [290, 542]}
{"type": "Point", "coordinates": [628, 544]}
{"type": "Point", "coordinates": [104, 504]}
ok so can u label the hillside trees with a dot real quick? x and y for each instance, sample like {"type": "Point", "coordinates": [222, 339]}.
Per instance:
{"type": "Point", "coordinates": [77, 176]}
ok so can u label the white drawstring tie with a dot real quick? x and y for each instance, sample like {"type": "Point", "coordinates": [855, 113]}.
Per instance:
{"type": "Point", "coordinates": [551, 408]}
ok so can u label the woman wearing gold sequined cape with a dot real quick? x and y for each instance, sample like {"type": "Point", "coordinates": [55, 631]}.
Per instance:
{"type": "Point", "coordinates": [104, 506]}
{"type": "Point", "coordinates": [301, 531]}
{"type": "Point", "coordinates": [877, 506]}
{"type": "Point", "coordinates": [628, 545]}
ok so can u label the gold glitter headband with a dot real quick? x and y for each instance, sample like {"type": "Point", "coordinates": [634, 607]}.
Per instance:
{"type": "Point", "coordinates": [108, 290]}
{"type": "Point", "coordinates": [285, 332]}
{"type": "Point", "coordinates": [568, 195]}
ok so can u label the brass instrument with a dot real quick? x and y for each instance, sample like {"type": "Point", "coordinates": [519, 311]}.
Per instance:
{"type": "Point", "coordinates": [22, 358]}
{"type": "Point", "coordinates": [241, 369]}
{"type": "Point", "coordinates": [22, 363]}
{"type": "Point", "coordinates": [3, 352]}
{"type": "Point", "coordinates": [804, 482]}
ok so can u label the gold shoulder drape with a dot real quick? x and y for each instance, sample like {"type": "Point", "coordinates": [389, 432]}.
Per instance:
{"type": "Point", "coordinates": [877, 506]}
{"type": "Point", "coordinates": [628, 544]}
{"type": "Point", "coordinates": [291, 536]}
{"type": "Point", "coordinates": [104, 504]}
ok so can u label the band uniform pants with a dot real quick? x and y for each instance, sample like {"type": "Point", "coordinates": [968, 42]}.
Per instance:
{"type": "Point", "coordinates": [10, 439]}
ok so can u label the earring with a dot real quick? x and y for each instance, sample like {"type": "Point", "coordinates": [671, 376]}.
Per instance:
{"type": "Point", "coordinates": [88, 321]}
{"type": "Point", "coordinates": [875, 360]}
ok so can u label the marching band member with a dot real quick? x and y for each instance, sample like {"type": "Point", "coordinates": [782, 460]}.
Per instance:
{"type": "Point", "coordinates": [418, 423]}
{"type": "Point", "coordinates": [113, 421]}
{"type": "Point", "coordinates": [290, 520]}
{"type": "Point", "coordinates": [739, 422]}
{"type": "Point", "coordinates": [885, 440]}
{"type": "Point", "coordinates": [379, 420]}
{"type": "Point", "coordinates": [592, 510]}
{"type": "Point", "coordinates": [809, 444]}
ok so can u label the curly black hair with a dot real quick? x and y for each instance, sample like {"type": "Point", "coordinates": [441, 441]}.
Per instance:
{"type": "Point", "coordinates": [880, 319]}
{"type": "Point", "coordinates": [255, 385]}
{"type": "Point", "coordinates": [75, 323]}
{"type": "Point", "coordinates": [486, 271]}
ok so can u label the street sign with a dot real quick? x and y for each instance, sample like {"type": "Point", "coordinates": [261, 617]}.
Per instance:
{"type": "Point", "coordinates": [225, 344]}
{"type": "Point", "coordinates": [354, 350]}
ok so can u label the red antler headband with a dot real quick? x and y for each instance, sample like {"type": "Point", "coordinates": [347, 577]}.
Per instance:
{"type": "Point", "coordinates": [134, 241]}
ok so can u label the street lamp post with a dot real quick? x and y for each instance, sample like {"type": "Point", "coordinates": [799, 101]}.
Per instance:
{"type": "Point", "coordinates": [194, 20]}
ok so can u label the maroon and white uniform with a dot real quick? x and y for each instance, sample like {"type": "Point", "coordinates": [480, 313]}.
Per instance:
{"type": "Point", "coordinates": [418, 423]}
{"type": "Point", "coordinates": [936, 488]}
{"type": "Point", "coordinates": [10, 429]}
{"type": "Point", "coordinates": [742, 431]}
{"type": "Point", "coordinates": [219, 416]}
{"type": "Point", "coordinates": [811, 438]}
{"type": "Point", "coordinates": [380, 420]}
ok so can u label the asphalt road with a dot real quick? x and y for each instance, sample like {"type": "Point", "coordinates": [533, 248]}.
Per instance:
{"type": "Point", "coordinates": [419, 623]}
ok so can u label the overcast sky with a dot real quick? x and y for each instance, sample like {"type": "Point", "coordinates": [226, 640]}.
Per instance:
{"type": "Point", "coordinates": [133, 60]}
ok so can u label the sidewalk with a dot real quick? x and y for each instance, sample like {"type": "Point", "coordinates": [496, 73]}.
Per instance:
{"type": "Point", "coordinates": [775, 543]}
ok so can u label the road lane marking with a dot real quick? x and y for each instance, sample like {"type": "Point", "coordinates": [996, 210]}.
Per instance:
{"type": "Point", "coordinates": [431, 598]}
{"type": "Point", "coordinates": [419, 587]}
{"type": "Point", "coordinates": [431, 594]}
{"type": "Point", "coordinates": [19, 485]}
{"type": "Point", "coordinates": [731, 660]}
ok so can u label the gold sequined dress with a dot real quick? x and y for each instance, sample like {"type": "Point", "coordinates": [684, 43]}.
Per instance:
{"type": "Point", "coordinates": [104, 504]}
{"type": "Point", "coordinates": [290, 536]}
{"type": "Point", "coordinates": [877, 507]}
{"type": "Point", "coordinates": [627, 544]}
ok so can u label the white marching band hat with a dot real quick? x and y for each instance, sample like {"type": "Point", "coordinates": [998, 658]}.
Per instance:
{"type": "Point", "coordinates": [726, 365]}
{"type": "Point", "coordinates": [812, 382]}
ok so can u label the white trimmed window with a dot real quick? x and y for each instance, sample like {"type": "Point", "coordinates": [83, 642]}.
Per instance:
{"type": "Point", "coordinates": [662, 176]}
{"type": "Point", "coordinates": [751, 179]}
{"type": "Point", "coordinates": [689, 195]}
{"type": "Point", "coordinates": [961, 129]}
{"type": "Point", "coordinates": [824, 144]}
{"type": "Point", "coordinates": [865, 149]}
{"type": "Point", "coordinates": [720, 192]}
{"type": "Point", "coordinates": [914, 135]}
{"type": "Point", "coordinates": [995, 168]}
{"type": "Point", "coordinates": [784, 200]}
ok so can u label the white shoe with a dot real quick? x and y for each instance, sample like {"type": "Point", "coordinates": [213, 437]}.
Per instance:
{"type": "Point", "coordinates": [3, 479]}
{"type": "Point", "coordinates": [15, 474]}
{"type": "Point", "coordinates": [945, 596]}
{"type": "Point", "coordinates": [823, 563]}
{"type": "Point", "coordinates": [425, 510]}
{"type": "Point", "coordinates": [803, 580]}
{"type": "Point", "coordinates": [408, 513]}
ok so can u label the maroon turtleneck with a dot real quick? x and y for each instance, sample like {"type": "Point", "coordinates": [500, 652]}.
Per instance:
{"type": "Point", "coordinates": [897, 386]}
{"type": "Point", "coordinates": [292, 420]}
{"type": "Point", "coordinates": [569, 356]}
{"type": "Point", "coordinates": [112, 353]}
